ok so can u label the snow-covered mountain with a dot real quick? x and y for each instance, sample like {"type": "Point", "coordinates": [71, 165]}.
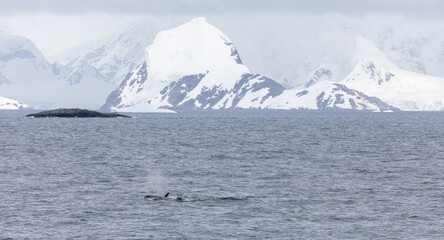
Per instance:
{"type": "Point", "coordinates": [417, 50]}
{"type": "Point", "coordinates": [108, 60]}
{"type": "Point", "coordinates": [410, 45]}
{"type": "Point", "coordinates": [25, 73]}
{"type": "Point", "coordinates": [329, 95]}
{"type": "Point", "coordinates": [375, 75]}
{"type": "Point", "coordinates": [27, 76]}
{"type": "Point", "coordinates": [192, 66]}
{"type": "Point", "coordinates": [18, 56]}
{"type": "Point", "coordinates": [370, 73]}
{"type": "Point", "coordinates": [195, 66]}
{"type": "Point", "coordinates": [9, 104]}
{"type": "Point", "coordinates": [325, 70]}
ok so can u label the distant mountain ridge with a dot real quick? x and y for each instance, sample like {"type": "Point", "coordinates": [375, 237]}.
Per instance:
{"type": "Point", "coordinates": [195, 66]}
{"type": "Point", "coordinates": [27, 76]}
{"type": "Point", "coordinates": [377, 76]}
{"type": "Point", "coordinates": [110, 60]}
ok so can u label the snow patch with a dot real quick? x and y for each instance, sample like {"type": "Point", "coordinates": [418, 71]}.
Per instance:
{"type": "Point", "coordinates": [9, 104]}
{"type": "Point", "coordinates": [141, 108]}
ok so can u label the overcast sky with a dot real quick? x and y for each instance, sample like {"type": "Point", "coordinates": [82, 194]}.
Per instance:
{"type": "Point", "coordinates": [55, 25]}
{"type": "Point", "coordinates": [287, 32]}
{"type": "Point", "coordinates": [425, 7]}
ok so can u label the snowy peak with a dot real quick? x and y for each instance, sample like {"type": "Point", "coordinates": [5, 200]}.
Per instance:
{"type": "Point", "coordinates": [195, 47]}
{"type": "Point", "coordinates": [20, 51]}
{"type": "Point", "coordinates": [21, 63]}
{"type": "Point", "coordinates": [371, 72]}
{"type": "Point", "coordinates": [324, 71]}
{"type": "Point", "coordinates": [377, 76]}
{"type": "Point", "coordinates": [16, 47]}
{"type": "Point", "coordinates": [26, 75]}
{"type": "Point", "coordinates": [193, 66]}
{"type": "Point", "coordinates": [110, 60]}
{"type": "Point", "coordinates": [367, 51]}
{"type": "Point", "coordinates": [372, 67]}
{"type": "Point", "coordinates": [193, 42]}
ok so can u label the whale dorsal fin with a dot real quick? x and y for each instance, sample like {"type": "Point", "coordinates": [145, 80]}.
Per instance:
{"type": "Point", "coordinates": [166, 195]}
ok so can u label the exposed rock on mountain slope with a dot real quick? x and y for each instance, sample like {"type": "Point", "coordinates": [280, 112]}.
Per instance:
{"type": "Point", "coordinates": [375, 75]}
{"type": "Point", "coordinates": [329, 95]}
{"type": "Point", "coordinates": [195, 66]}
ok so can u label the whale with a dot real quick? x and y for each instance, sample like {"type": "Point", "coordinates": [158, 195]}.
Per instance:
{"type": "Point", "coordinates": [155, 197]}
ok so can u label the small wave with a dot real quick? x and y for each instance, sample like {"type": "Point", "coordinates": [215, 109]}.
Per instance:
{"type": "Point", "coordinates": [215, 199]}
{"type": "Point", "coordinates": [231, 199]}
{"type": "Point", "coordinates": [210, 199]}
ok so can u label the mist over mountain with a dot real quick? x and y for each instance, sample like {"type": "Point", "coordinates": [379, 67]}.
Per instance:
{"type": "Point", "coordinates": [110, 60]}
{"type": "Point", "coordinates": [185, 68]}
{"type": "Point", "coordinates": [28, 77]}
{"type": "Point", "coordinates": [288, 47]}
{"type": "Point", "coordinates": [326, 50]}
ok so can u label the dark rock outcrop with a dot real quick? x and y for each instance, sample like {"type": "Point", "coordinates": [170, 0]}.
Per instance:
{"type": "Point", "coordinates": [133, 80]}
{"type": "Point", "coordinates": [75, 113]}
{"type": "Point", "coordinates": [334, 99]}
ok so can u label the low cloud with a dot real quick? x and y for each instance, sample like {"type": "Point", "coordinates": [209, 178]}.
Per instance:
{"type": "Point", "coordinates": [424, 8]}
{"type": "Point", "coordinates": [273, 37]}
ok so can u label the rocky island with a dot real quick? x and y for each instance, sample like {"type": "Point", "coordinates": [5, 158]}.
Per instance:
{"type": "Point", "coordinates": [75, 113]}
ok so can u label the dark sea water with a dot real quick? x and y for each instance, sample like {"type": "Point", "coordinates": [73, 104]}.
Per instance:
{"type": "Point", "coordinates": [230, 174]}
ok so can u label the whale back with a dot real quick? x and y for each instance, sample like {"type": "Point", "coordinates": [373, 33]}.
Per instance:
{"type": "Point", "coordinates": [154, 197]}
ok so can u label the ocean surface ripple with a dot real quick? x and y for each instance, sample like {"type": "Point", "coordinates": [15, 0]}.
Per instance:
{"type": "Point", "coordinates": [230, 174]}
